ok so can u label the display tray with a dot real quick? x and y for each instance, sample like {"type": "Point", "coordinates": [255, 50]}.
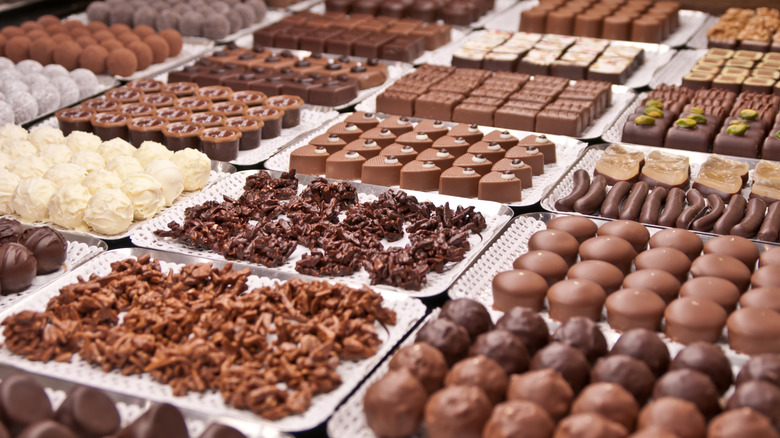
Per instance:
{"type": "Point", "coordinates": [210, 403]}
{"type": "Point", "coordinates": [501, 9]}
{"type": "Point", "coordinates": [567, 150]}
{"type": "Point", "coordinates": [680, 65]}
{"type": "Point", "coordinates": [622, 96]}
{"type": "Point", "coordinates": [105, 83]}
{"type": "Point", "coordinates": [615, 132]}
{"type": "Point", "coordinates": [219, 170]}
{"type": "Point", "coordinates": [496, 217]}
{"type": "Point", "coordinates": [131, 407]}
{"type": "Point", "coordinates": [81, 249]}
{"type": "Point", "coordinates": [699, 39]}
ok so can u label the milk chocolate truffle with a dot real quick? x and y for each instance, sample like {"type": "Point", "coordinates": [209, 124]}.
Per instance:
{"type": "Point", "coordinates": [457, 412]}
{"type": "Point", "coordinates": [740, 423]}
{"type": "Point", "coordinates": [630, 373]}
{"type": "Point", "coordinates": [584, 335]}
{"type": "Point", "coordinates": [580, 227]}
{"type": "Point", "coordinates": [159, 420]}
{"type": "Point", "coordinates": [708, 359]}
{"type": "Point", "coordinates": [609, 400]}
{"type": "Point", "coordinates": [48, 246]}
{"type": "Point", "coordinates": [723, 266]}
{"type": "Point", "coordinates": [174, 40]}
{"type": "Point", "coordinates": [611, 249]}
{"type": "Point", "coordinates": [753, 330]}
{"type": "Point", "coordinates": [504, 348]}
{"type": "Point", "coordinates": [450, 338]}
{"type": "Point", "coordinates": [761, 367]}
{"type": "Point", "coordinates": [18, 48]}
{"type": "Point", "coordinates": [547, 388]}
{"type": "Point", "coordinates": [569, 361]}
{"type": "Point", "coordinates": [143, 54]}
{"type": "Point", "coordinates": [559, 242]}
{"type": "Point", "coordinates": [632, 308]}
{"type": "Point", "coordinates": [527, 325]}
{"type": "Point", "coordinates": [548, 264]}
{"type": "Point", "coordinates": [23, 402]}
{"type": "Point", "coordinates": [690, 385]}
{"type": "Point", "coordinates": [684, 240]}
{"type": "Point", "coordinates": [646, 346]}
{"type": "Point", "coordinates": [482, 372]}
{"type": "Point", "coordinates": [66, 54]}
{"type": "Point", "coordinates": [635, 233]}
{"type": "Point", "coordinates": [515, 418]}
{"type": "Point", "coordinates": [691, 319]}
{"type": "Point", "coordinates": [394, 404]}
{"type": "Point", "coordinates": [589, 425]}
{"type": "Point", "coordinates": [518, 287]}
{"type": "Point", "coordinates": [769, 257]}
{"type": "Point", "coordinates": [759, 395]}
{"type": "Point", "coordinates": [45, 429]}
{"type": "Point", "coordinates": [470, 314]}
{"type": "Point", "coordinates": [767, 276]}
{"type": "Point", "coordinates": [10, 230]}
{"type": "Point", "coordinates": [738, 247]}
{"type": "Point", "coordinates": [93, 58]}
{"type": "Point", "coordinates": [653, 432]}
{"type": "Point", "coordinates": [679, 416]}
{"type": "Point", "coordinates": [88, 412]}
{"type": "Point", "coordinates": [570, 298]}
{"type": "Point", "coordinates": [425, 362]}
{"type": "Point", "coordinates": [607, 275]}
{"type": "Point", "coordinates": [122, 62]}
{"type": "Point", "coordinates": [17, 268]}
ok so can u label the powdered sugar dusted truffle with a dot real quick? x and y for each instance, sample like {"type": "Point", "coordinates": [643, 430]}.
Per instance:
{"type": "Point", "coordinates": [191, 24]}
{"type": "Point", "coordinates": [42, 135]}
{"type": "Point", "coordinates": [8, 183]}
{"type": "Point", "coordinates": [54, 70]}
{"type": "Point", "coordinates": [98, 11]}
{"type": "Point", "coordinates": [89, 160]}
{"type": "Point", "coordinates": [28, 66]}
{"type": "Point", "coordinates": [246, 12]}
{"type": "Point", "coordinates": [31, 198]}
{"type": "Point", "coordinates": [69, 90]}
{"type": "Point", "coordinates": [25, 106]}
{"type": "Point", "coordinates": [83, 141]}
{"type": "Point", "coordinates": [195, 167]}
{"type": "Point", "coordinates": [55, 153]}
{"type": "Point", "coordinates": [260, 9]}
{"type": "Point", "coordinates": [121, 13]}
{"type": "Point", "coordinates": [167, 19]}
{"type": "Point", "coordinates": [6, 113]}
{"type": "Point", "coordinates": [47, 96]}
{"type": "Point", "coordinates": [101, 179]}
{"type": "Point", "coordinates": [116, 147]}
{"type": "Point", "coordinates": [28, 166]}
{"type": "Point", "coordinates": [86, 80]}
{"type": "Point", "coordinates": [144, 15]}
{"type": "Point", "coordinates": [35, 79]}
{"type": "Point", "coordinates": [216, 27]}
{"type": "Point", "coordinates": [6, 63]}
{"type": "Point", "coordinates": [67, 206]}
{"type": "Point", "coordinates": [150, 151]}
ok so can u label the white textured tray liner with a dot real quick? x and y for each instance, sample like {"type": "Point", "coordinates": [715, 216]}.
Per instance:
{"type": "Point", "coordinates": [615, 132]}
{"type": "Point", "coordinates": [233, 186]}
{"type": "Point", "coordinates": [567, 150]}
{"type": "Point", "coordinates": [673, 72]}
{"type": "Point", "coordinates": [699, 39]}
{"type": "Point", "coordinates": [408, 312]}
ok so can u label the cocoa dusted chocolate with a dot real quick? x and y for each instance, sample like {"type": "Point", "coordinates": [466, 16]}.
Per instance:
{"type": "Point", "coordinates": [425, 362]}
{"type": "Point", "coordinates": [546, 387]}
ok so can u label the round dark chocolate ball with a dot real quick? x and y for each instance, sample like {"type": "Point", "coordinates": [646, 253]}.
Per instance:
{"type": "Point", "coordinates": [610, 400]}
{"type": "Point", "coordinates": [706, 358]}
{"type": "Point", "coordinates": [482, 372]}
{"type": "Point", "coordinates": [589, 425]}
{"type": "Point", "coordinates": [759, 395]}
{"type": "Point", "coordinates": [528, 326]}
{"type": "Point", "coordinates": [743, 422]}
{"type": "Point", "coordinates": [470, 314]}
{"type": "Point", "coordinates": [630, 373]}
{"type": "Point", "coordinates": [457, 411]}
{"type": "Point", "coordinates": [559, 242]}
{"type": "Point", "coordinates": [581, 228]}
{"type": "Point", "coordinates": [548, 264]}
{"type": "Point", "coordinates": [17, 268]}
{"type": "Point", "coordinates": [684, 240]}
{"type": "Point", "coordinates": [450, 338]}
{"type": "Point", "coordinates": [504, 348]}
{"type": "Point", "coordinates": [394, 404]}
{"type": "Point", "coordinates": [23, 401]}
{"type": "Point", "coordinates": [519, 418]}
{"type": "Point", "coordinates": [584, 335]}
{"type": "Point", "coordinates": [425, 362]}
{"type": "Point", "coordinates": [569, 361]}
{"type": "Point", "coordinates": [761, 367]}
{"type": "Point", "coordinates": [690, 385]}
{"type": "Point", "coordinates": [10, 230]}
{"type": "Point", "coordinates": [546, 387]}
{"type": "Point", "coordinates": [635, 233]}
{"type": "Point", "coordinates": [674, 414]}
{"type": "Point", "coordinates": [48, 246]}
{"type": "Point", "coordinates": [646, 346]}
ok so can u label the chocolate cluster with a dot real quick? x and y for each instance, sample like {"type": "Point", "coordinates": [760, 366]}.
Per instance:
{"type": "Point", "coordinates": [25, 253]}
{"type": "Point", "coordinates": [429, 156]}
{"type": "Point", "coordinates": [402, 39]}
{"type": "Point", "coordinates": [214, 20]}
{"type": "Point", "coordinates": [437, 236]}
{"type": "Point", "coordinates": [503, 99]}
{"type": "Point", "coordinates": [465, 377]}
{"type": "Point", "coordinates": [740, 70]}
{"type": "Point", "coordinates": [211, 319]}
{"type": "Point", "coordinates": [118, 50]}
{"type": "Point", "coordinates": [633, 20]}
{"type": "Point", "coordinates": [749, 29]}
{"type": "Point", "coordinates": [458, 12]}
{"type": "Point", "coordinates": [554, 55]}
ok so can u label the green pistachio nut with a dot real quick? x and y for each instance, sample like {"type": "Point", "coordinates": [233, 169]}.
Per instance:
{"type": "Point", "coordinates": [644, 120]}
{"type": "Point", "coordinates": [777, 134]}
{"type": "Point", "coordinates": [697, 110]}
{"type": "Point", "coordinates": [738, 129]}
{"type": "Point", "coordinates": [700, 119]}
{"type": "Point", "coordinates": [653, 112]}
{"type": "Point", "coordinates": [686, 122]}
{"type": "Point", "coordinates": [748, 114]}
{"type": "Point", "coordinates": [655, 104]}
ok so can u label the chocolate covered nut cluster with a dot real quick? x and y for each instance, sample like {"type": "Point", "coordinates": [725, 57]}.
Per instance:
{"type": "Point", "coordinates": [749, 29]}
{"type": "Point", "coordinates": [189, 348]}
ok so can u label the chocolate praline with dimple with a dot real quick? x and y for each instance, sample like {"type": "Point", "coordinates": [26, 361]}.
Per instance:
{"type": "Point", "coordinates": [611, 249]}
{"type": "Point", "coordinates": [527, 325]}
{"type": "Point", "coordinates": [630, 373]}
{"type": "Point", "coordinates": [581, 228]}
{"type": "Point", "coordinates": [569, 361]}
{"type": "Point", "coordinates": [610, 400]}
{"type": "Point", "coordinates": [708, 359]}
{"type": "Point", "coordinates": [450, 338]}
{"type": "Point", "coordinates": [690, 385]}
{"type": "Point", "coordinates": [607, 275]}
{"type": "Point", "coordinates": [559, 242]}
{"type": "Point", "coordinates": [743, 422]}
{"type": "Point", "coordinates": [545, 387]}
{"type": "Point", "coordinates": [646, 346]}
{"type": "Point", "coordinates": [457, 411]}
{"type": "Point", "coordinates": [470, 314]}
{"type": "Point", "coordinates": [684, 240]}
{"type": "Point", "coordinates": [668, 259]}
{"type": "Point", "coordinates": [548, 264]}
{"type": "Point", "coordinates": [761, 367]}
{"type": "Point", "coordinates": [676, 415]}
{"type": "Point", "coordinates": [482, 372]}
{"type": "Point", "coordinates": [635, 233]}
{"type": "Point", "coordinates": [424, 361]}
{"type": "Point", "coordinates": [738, 247]}
{"type": "Point", "coordinates": [759, 395]}
{"type": "Point", "coordinates": [584, 335]}
{"type": "Point", "coordinates": [504, 348]}
{"type": "Point", "coordinates": [394, 404]}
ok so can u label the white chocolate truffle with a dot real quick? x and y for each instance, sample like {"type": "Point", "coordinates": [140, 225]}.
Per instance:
{"type": "Point", "coordinates": [67, 206]}
{"type": "Point", "coordinates": [125, 166]}
{"type": "Point", "coordinates": [28, 167]}
{"type": "Point", "coordinates": [4, 160]}
{"type": "Point", "coordinates": [8, 183]}
{"type": "Point", "coordinates": [16, 148]}
{"type": "Point", "coordinates": [83, 141]}
{"type": "Point", "coordinates": [13, 131]}
{"type": "Point", "coordinates": [169, 176]}
{"type": "Point", "coordinates": [89, 160]}
{"type": "Point", "coordinates": [150, 151]}
{"type": "Point", "coordinates": [43, 135]}
{"type": "Point", "coordinates": [55, 153]}
{"type": "Point", "coordinates": [145, 193]}
{"type": "Point", "coordinates": [64, 174]}
{"type": "Point", "coordinates": [116, 147]}
{"type": "Point", "coordinates": [109, 211]}
{"type": "Point", "coordinates": [101, 179]}
{"type": "Point", "coordinates": [31, 198]}
{"type": "Point", "coordinates": [195, 167]}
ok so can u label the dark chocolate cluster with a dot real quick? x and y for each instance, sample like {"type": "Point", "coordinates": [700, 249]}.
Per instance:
{"type": "Point", "coordinates": [252, 228]}
{"type": "Point", "coordinates": [27, 253]}
{"type": "Point", "coordinates": [748, 29]}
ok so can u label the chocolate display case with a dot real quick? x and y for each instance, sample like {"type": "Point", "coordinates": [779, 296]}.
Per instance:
{"type": "Point", "coordinates": [496, 216]}
{"type": "Point", "coordinates": [210, 403]}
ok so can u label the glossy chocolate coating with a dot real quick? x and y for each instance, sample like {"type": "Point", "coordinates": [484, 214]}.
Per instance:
{"type": "Point", "coordinates": [470, 314]}
{"type": "Point", "coordinates": [632, 307]}
{"type": "Point", "coordinates": [676, 415]}
{"type": "Point", "coordinates": [569, 298]}
{"type": "Point", "coordinates": [583, 334]}
{"type": "Point", "coordinates": [482, 372]}
{"type": "Point", "coordinates": [545, 387]}
{"type": "Point", "coordinates": [706, 358]}
{"type": "Point", "coordinates": [559, 242]}
{"type": "Point", "coordinates": [738, 247]}
{"type": "Point", "coordinates": [23, 402]}
{"type": "Point", "coordinates": [503, 347]}
{"type": "Point", "coordinates": [720, 290]}
{"type": "Point", "coordinates": [450, 338]}
{"type": "Point", "coordinates": [646, 346]}
{"type": "Point", "coordinates": [634, 232]}
{"type": "Point", "coordinates": [630, 373]}
{"type": "Point", "coordinates": [607, 275]}
{"type": "Point", "coordinates": [160, 420]}
{"type": "Point", "coordinates": [684, 240]}
{"type": "Point", "coordinates": [48, 246]}
{"type": "Point", "coordinates": [610, 400]}
{"type": "Point", "coordinates": [761, 367]}
{"type": "Point", "coordinates": [457, 411]}
{"type": "Point", "coordinates": [581, 228]}
{"type": "Point", "coordinates": [425, 362]}
{"type": "Point", "coordinates": [519, 418]}
{"type": "Point", "coordinates": [743, 422]}
{"type": "Point", "coordinates": [589, 425]}
{"type": "Point", "coordinates": [668, 259]}
{"type": "Point", "coordinates": [569, 361]}
{"type": "Point", "coordinates": [394, 404]}
{"type": "Point", "coordinates": [527, 325]}
{"type": "Point", "coordinates": [17, 268]}
{"type": "Point", "coordinates": [88, 412]}
{"type": "Point", "coordinates": [518, 288]}
{"type": "Point", "coordinates": [47, 429]}
{"type": "Point", "coordinates": [690, 385]}
{"type": "Point", "coordinates": [10, 230]}
{"type": "Point", "coordinates": [548, 264]}
{"type": "Point", "coordinates": [754, 330]}
{"type": "Point", "coordinates": [612, 249]}
{"type": "Point", "coordinates": [759, 395]}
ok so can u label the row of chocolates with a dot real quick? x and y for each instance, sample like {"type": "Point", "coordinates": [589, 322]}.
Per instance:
{"type": "Point", "coordinates": [740, 70]}
{"type": "Point", "coordinates": [456, 12]}
{"type": "Point", "coordinates": [749, 29]}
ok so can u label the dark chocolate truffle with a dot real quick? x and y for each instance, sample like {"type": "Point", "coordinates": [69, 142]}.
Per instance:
{"type": "Point", "coordinates": [738, 247]}
{"type": "Point", "coordinates": [690, 385]}
{"type": "Point", "coordinates": [48, 246]}
{"type": "Point", "coordinates": [160, 420]}
{"type": "Point", "coordinates": [503, 347]}
{"type": "Point", "coordinates": [394, 404]}
{"type": "Point", "coordinates": [584, 335]}
{"type": "Point", "coordinates": [674, 414]}
{"type": "Point", "coordinates": [646, 346]}
{"type": "Point", "coordinates": [630, 373]}
{"type": "Point", "coordinates": [450, 338]}
{"type": "Point", "coordinates": [548, 264]}
{"type": "Point", "coordinates": [761, 367]}
{"type": "Point", "coordinates": [743, 422]}
{"type": "Point", "coordinates": [526, 325]}
{"type": "Point", "coordinates": [470, 314]}
{"type": "Point", "coordinates": [457, 412]}
{"type": "Point", "coordinates": [17, 268]}
{"type": "Point", "coordinates": [47, 429]}
{"type": "Point", "coordinates": [569, 361]}
{"type": "Point", "coordinates": [88, 412]}
{"type": "Point", "coordinates": [425, 362]}
{"type": "Point", "coordinates": [547, 388]}
{"type": "Point", "coordinates": [10, 230]}
{"type": "Point", "coordinates": [684, 240]}
{"type": "Point", "coordinates": [607, 275]}
{"type": "Point", "coordinates": [762, 396]}
{"type": "Point", "coordinates": [581, 228]}
{"type": "Point", "coordinates": [482, 372]}
{"type": "Point", "coordinates": [559, 242]}
{"type": "Point", "coordinates": [23, 401]}
{"type": "Point", "coordinates": [635, 233]}
{"type": "Point", "coordinates": [589, 425]}
{"type": "Point", "coordinates": [706, 358]}
{"type": "Point", "coordinates": [610, 400]}
{"type": "Point", "coordinates": [515, 418]}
